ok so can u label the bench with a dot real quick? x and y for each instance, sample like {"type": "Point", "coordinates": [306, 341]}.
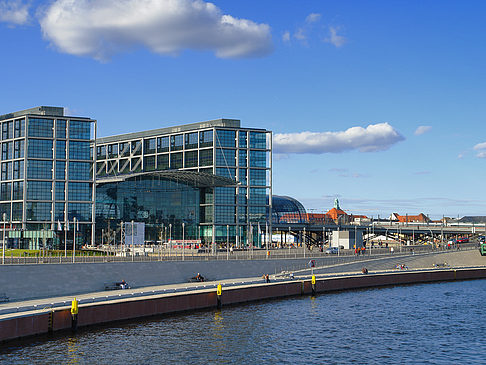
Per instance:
{"type": "Point", "coordinates": [114, 286]}
{"type": "Point", "coordinates": [4, 298]}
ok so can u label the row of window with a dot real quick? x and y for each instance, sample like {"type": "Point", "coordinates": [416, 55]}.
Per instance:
{"type": "Point", "coordinates": [42, 190]}
{"type": "Point", "coordinates": [43, 148]}
{"type": "Point", "coordinates": [156, 145]}
{"type": "Point", "coordinates": [41, 211]}
{"type": "Point", "coordinates": [42, 169]}
{"type": "Point", "coordinates": [227, 214]}
{"type": "Point", "coordinates": [177, 142]}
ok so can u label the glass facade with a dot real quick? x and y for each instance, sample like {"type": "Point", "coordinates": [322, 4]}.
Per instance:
{"type": "Point", "coordinates": [158, 202]}
{"type": "Point", "coordinates": [219, 147]}
{"type": "Point", "coordinates": [41, 154]}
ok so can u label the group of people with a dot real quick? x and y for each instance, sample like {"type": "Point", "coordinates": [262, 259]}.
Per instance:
{"type": "Point", "coordinates": [401, 267]}
{"type": "Point", "coordinates": [123, 285]}
{"type": "Point", "coordinates": [199, 277]}
{"type": "Point", "coordinates": [266, 278]}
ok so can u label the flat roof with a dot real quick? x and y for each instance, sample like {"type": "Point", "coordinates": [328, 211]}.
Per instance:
{"type": "Point", "coordinates": [42, 111]}
{"type": "Point", "coordinates": [226, 123]}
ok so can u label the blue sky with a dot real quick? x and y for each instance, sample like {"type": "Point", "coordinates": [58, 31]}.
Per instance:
{"type": "Point", "coordinates": [392, 92]}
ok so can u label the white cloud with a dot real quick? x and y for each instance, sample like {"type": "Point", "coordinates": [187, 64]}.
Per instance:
{"type": "Point", "coordinates": [334, 38]}
{"type": "Point", "coordinates": [481, 148]}
{"type": "Point", "coordinates": [313, 18]}
{"type": "Point", "coordinates": [422, 129]}
{"type": "Point", "coordinates": [300, 34]}
{"type": "Point", "coordinates": [286, 36]}
{"type": "Point", "coordinates": [375, 137]}
{"type": "Point", "coordinates": [14, 12]}
{"type": "Point", "coordinates": [102, 28]}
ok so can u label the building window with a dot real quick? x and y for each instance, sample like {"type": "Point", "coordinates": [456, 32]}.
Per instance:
{"type": "Point", "coordinates": [191, 140]}
{"type": "Point", "coordinates": [100, 169]}
{"type": "Point", "coordinates": [113, 151]}
{"type": "Point", "coordinates": [176, 160]}
{"type": "Point", "coordinates": [225, 157]}
{"type": "Point", "coordinates": [242, 196]}
{"type": "Point", "coordinates": [18, 170]}
{"type": "Point", "coordinates": [242, 176]}
{"type": "Point", "coordinates": [100, 152]}
{"type": "Point", "coordinates": [79, 150]}
{"type": "Point", "coordinates": [124, 149]}
{"type": "Point", "coordinates": [37, 211]}
{"type": "Point", "coordinates": [258, 140]}
{"type": "Point", "coordinates": [39, 148]}
{"type": "Point", "coordinates": [225, 195]}
{"type": "Point", "coordinates": [176, 142]}
{"type": "Point", "coordinates": [149, 163]}
{"type": "Point", "coordinates": [19, 149]}
{"type": "Point", "coordinates": [79, 130]}
{"type": "Point", "coordinates": [5, 208]}
{"type": "Point", "coordinates": [59, 212]}
{"type": "Point", "coordinates": [225, 138]}
{"type": "Point", "coordinates": [60, 128]}
{"type": "Point", "coordinates": [163, 162]}
{"type": "Point", "coordinates": [163, 144]}
{"type": "Point", "coordinates": [7, 150]}
{"type": "Point", "coordinates": [224, 214]}
{"type": "Point", "coordinates": [124, 166]}
{"type": "Point", "coordinates": [242, 154]}
{"type": "Point", "coordinates": [258, 158]}
{"type": "Point", "coordinates": [60, 170]}
{"type": "Point", "coordinates": [5, 191]}
{"type": "Point", "coordinates": [6, 171]}
{"type": "Point", "coordinates": [61, 149]}
{"type": "Point", "coordinates": [205, 157]}
{"type": "Point", "coordinates": [257, 214]}
{"type": "Point", "coordinates": [39, 190]}
{"type": "Point", "coordinates": [79, 170]}
{"type": "Point", "coordinates": [226, 172]}
{"type": "Point", "coordinates": [60, 191]}
{"type": "Point", "coordinates": [242, 211]}
{"type": "Point", "coordinates": [205, 139]}
{"type": "Point", "coordinates": [18, 190]}
{"type": "Point", "coordinates": [82, 211]}
{"type": "Point", "coordinates": [242, 139]}
{"type": "Point", "coordinates": [258, 177]}
{"type": "Point", "coordinates": [79, 191]}
{"type": "Point", "coordinates": [190, 159]}
{"type": "Point", "coordinates": [39, 169]}
{"type": "Point", "coordinates": [19, 128]}
{"type": "Point", "coordinates": [136, 148]}
{"type": "Point", "coordinates": [17, 211]}
{"type": "Point", "coordinates": [257, 196]}
{"type": "Point", "coordinates": [149, 146]}
{"type": "Point", "coordinates": [41, 127]}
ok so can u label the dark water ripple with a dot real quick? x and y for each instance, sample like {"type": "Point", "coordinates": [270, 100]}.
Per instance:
{"type": "Point", "coordinates": [443, 323]}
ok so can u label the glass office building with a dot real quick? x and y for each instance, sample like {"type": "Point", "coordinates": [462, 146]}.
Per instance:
{"type": "Point", "coordinates": [46, 177]}
{"type": "Point", "coordinates": [213, 176]}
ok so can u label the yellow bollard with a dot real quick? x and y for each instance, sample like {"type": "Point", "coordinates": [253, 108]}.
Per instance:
{"type": "Point", "coordinates": [219, 291]}
{"type": "Point", "coordinates": [313, 280]}
{"type": "Point", "coordinates": [74, 306]}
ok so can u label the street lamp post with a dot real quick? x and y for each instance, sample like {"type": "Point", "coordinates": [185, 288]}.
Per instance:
{"type": "Point", "coordinates": [4, 216]}
{"type": "Point", "coordinates": [303, 241]}
{"type": "Point", "coordinates": [183, 240]}
{"type": "Point", "coordinates": [227, 242]}
{"type": "Point", "coordinates": [170, 239]}
{"type": "Point", "coordinates": [66, 227]}
{"type": "Point", "coordinates": [133, 247]}
{"type": "Point", "coordinates": [74, 239]}
{"type": "Point", "coordinates": [289, 241]}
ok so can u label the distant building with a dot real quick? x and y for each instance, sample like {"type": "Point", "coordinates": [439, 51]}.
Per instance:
{"type": "Point", "coordinates": [420, 218]}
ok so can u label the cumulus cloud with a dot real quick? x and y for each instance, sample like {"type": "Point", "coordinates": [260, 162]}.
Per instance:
{"type": "Point", "coordinates": [103, 28]}
{"type": "Point", "coordinates": [334, 38]}
{"type": "Point", "coordinates": [286, 36]}
{"type": "Point", "coordinates": [422, 129]}
{"type": "Point", "coordinates": [481, 148]}
{"type": "Point", "coordinates": [313, 18]}
{"type": "Point", "coordinates": [14, 12]}
{"type": "Point", "coordinates": [375, 137]}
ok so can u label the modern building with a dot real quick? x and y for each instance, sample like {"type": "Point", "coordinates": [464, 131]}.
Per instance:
{"type": "Point", "coordinates": [46, 177]}
{"type": "Point", "coordinates": [206, 181]}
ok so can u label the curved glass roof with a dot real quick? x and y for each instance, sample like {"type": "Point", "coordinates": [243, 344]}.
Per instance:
{"type": "Point", "coordinates": [193, 178]}
{"type": "Point", "coordinates": [287, 210]}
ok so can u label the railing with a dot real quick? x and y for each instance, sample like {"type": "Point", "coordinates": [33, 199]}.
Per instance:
{"type": "Point", "coordinates": [155, 253]}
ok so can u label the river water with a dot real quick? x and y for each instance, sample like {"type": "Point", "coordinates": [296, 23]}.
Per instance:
{"type": "Point", "coordinates": [441, 323]}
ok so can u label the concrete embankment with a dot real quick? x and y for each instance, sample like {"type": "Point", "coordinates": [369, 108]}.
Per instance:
{"type": "Point", "coordinates": [17, 325]}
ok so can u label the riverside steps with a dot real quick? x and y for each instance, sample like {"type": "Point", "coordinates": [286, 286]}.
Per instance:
{"type": "Point", "coordinates": [39, 316]}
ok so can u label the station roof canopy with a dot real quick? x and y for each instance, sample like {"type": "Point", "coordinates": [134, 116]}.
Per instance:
{"type": "Point", "coordinates": [193, 178]}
